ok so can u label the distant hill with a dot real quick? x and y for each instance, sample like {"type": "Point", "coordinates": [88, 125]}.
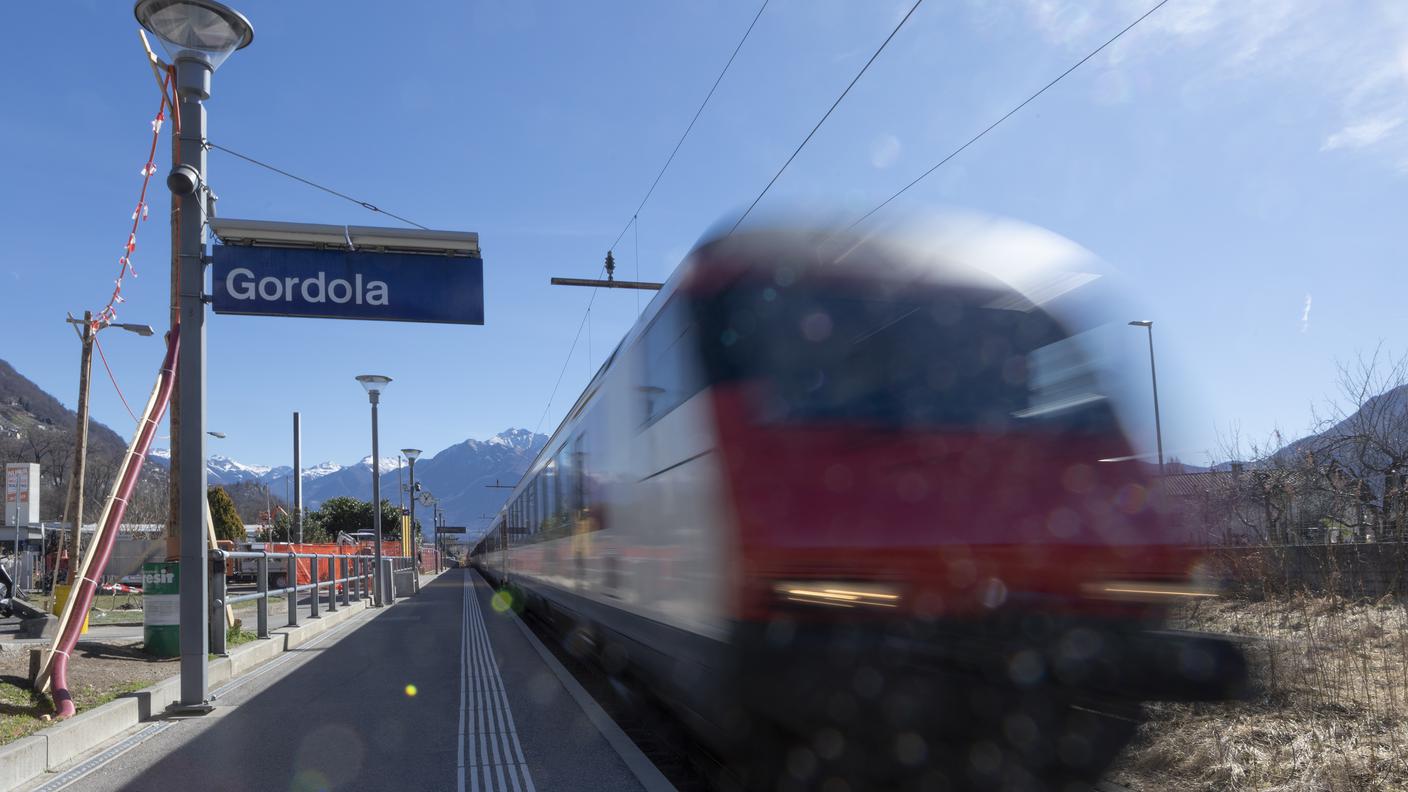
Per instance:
{"type": "Point", "coordinates": [36, 427]}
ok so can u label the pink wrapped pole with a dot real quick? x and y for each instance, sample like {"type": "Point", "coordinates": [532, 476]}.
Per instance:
{"type": "Point", "coordinates": [87, 586]}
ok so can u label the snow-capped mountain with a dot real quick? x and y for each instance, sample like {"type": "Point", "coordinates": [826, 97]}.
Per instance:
{"type": "Point", "coordinates": [456, 475]}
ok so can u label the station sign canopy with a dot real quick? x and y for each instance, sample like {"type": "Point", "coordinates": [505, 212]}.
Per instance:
{"type": "Point", "coordinates": [267, 268]}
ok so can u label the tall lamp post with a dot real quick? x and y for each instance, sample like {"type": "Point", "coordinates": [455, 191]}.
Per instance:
{"type": "Point", "coordinates": [1148, 324]}
{"type": "Point", "coordinates": [73, 507]}
{"type": "Point", "coordinates": [411, 454]}
{"type": "Point", "coordinates": [375, 384]}
{"type": "Point", "coordinates": [198, 35]}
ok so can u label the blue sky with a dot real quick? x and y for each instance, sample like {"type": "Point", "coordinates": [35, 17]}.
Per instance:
{"type": "Point", "coordinates": [1242, 162]}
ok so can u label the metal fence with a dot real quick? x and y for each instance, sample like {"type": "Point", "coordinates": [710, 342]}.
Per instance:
{"type": "Point", "coordinates": [348, 577]}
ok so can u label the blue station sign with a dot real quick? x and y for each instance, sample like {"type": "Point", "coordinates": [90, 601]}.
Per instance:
{"type": "Point", "coordinates": [348, 284]}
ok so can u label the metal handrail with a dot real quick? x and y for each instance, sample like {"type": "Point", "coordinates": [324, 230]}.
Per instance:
{"type": "Point", "coordinates": [356, 573]}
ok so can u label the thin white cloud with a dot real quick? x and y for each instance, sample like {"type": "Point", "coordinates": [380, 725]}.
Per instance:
{"type": "Point", "coordinates": [885, 151]}
{"type": "Point", "coordinates": [1305, 316]}
{"type": "Point", "coordinates": [1364, 133]}
{"type": "Point", "coordinates": [1349, 56]}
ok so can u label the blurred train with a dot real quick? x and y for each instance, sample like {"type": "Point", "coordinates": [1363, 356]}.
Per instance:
{"type": "Point", "coordinates": [854, 508]}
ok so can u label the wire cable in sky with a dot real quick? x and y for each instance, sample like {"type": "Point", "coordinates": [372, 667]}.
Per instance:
{"type": "Point", "coordinates": [834, 104]}
{"type": "Point", "coordinates": [364, 204]}
{"type": "Point", "coordinates": [687, 130]}
{"type": "Point", "coordinates": [1009, 113]}
{"type": "Point", "coordinates": [115, 386]}
{"type": "Point", "coordinates": [586, 315]}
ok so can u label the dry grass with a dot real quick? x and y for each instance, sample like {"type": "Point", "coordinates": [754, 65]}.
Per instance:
{"type": "Point", "coordinates": [1329, 715]}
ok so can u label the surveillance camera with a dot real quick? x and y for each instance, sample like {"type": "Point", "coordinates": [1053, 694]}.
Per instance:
{"type": "Point", "coordinates": [183, 180]}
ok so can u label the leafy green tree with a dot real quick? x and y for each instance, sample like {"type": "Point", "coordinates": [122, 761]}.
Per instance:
{"type": "Point", "coordinates": [349, 515]}
{"type": "Point", "coordinates": [228, 524]}
{"type": "Point", "coordinates": [283, 531]}
{"type": "Point", "coordinates": [344, 514]}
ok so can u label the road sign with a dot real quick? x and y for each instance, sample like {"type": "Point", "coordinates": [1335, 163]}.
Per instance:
{"type": "Point", "coordinates": [346, 284]}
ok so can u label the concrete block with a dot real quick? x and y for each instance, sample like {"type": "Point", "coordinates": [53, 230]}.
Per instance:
{"type": "Point", "coordinates": [22, 760]}
{"type": "Point", "coordinates": [45, 625]}
{"type": "Point", "coordinates": [67, 739]}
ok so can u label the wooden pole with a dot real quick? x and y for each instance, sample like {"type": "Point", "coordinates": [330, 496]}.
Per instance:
{"type": "Point", "coordinates": [73, 509]}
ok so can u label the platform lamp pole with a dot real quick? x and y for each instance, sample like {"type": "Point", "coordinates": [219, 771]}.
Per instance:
{"type": "Point", "coordinates": [375, 384]}
{"type": "Point", "coordinates": [1148, 324]}
{"type": "Point", "coordinates": [198, 35]}
{"type": "Point", "coordinates": [411, 454]}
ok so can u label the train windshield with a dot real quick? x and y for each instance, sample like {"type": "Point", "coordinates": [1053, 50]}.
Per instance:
{"type": "Point", "coordinates": [951, 358]}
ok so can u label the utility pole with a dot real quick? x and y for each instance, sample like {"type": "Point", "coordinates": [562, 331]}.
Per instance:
{"type": "Point", "coordinates": [297, 481]}
{"type": "Point", "coordinates": [73, 509]}
{"type": "Point", "coordinates": [73, 505]}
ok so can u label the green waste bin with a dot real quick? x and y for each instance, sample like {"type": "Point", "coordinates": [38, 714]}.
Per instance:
{"type": "Point", "coordinates": [161, 608]}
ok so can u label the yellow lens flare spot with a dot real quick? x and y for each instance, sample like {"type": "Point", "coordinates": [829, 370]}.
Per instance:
{"type": "Point", "coordinates": [501, 601]}
{"type": "Point", "coordinates": [411, 691]}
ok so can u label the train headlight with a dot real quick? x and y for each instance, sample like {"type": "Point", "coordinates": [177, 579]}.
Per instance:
{"type": "Point", "coordinates": [838, 593]}
{"type": "Point", "coordinates": [1147, 591]}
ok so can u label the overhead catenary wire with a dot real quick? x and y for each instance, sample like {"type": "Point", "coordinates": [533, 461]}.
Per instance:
{"type": "Point", "coordinates": [826, 115]}
{"type": "Point", "coordinates": [369, 206]}
{"type": "Point", "coordinates": [1009, 113]}
{"type": "Point", "coordinates": [636, 214]}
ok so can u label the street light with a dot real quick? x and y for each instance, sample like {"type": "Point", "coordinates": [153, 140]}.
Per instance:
{"type": "Point", "coordinates": [375, 384]}
{"type": "Point", "coordinates": [199, 30]}
{"type": "Point", "coordinates": [74, 504]}
{"type": "Point", "coordinates": [219, 435]}
{"type": "Point", "coordinates": [198, 35]}
{"type": "Point", "coordinates": [1148, 324]}
{"type": "Point", "coordinates": [411, 454]}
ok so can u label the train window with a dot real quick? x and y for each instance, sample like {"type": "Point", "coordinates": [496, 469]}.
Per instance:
{"type": "Point", "coordinates": [670, 372]}
{"type": "Point", "coordinates": [831, 353]}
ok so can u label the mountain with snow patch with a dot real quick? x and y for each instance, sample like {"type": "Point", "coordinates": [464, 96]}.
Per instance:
{"type": "Point", "coordinates": [458, 476]}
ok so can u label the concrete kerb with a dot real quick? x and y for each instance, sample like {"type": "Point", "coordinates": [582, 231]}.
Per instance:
{"type": "Point", "coordinates": [25, 759]}
{"type": "Point", "coordinates": [22, 760]}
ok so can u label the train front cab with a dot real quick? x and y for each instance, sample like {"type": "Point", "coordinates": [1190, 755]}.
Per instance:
{"type": "Point", "coordinates": [934, 567]}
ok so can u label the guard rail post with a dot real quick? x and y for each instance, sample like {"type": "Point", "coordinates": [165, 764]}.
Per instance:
{"type": "Point", "coordinates": [262, 607]}
{"type": "Point", "coordinates": [291, 588]}
{"type": "Point", "coordinates": [216, 570]}
{"type": "Point", "coordinates": [388, 581]}
{"type": "Point", "coordinates": [313, 592]}
{"type": "Point", "coordinates": [346, 580]}
{"type": "Point", "coordinates": [332, 583]}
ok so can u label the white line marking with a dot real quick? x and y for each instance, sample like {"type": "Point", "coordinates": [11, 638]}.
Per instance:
{"type": "Point", "coordinates": [642, 768]}
{"type": "Point", "coordinates": [464, 671]}
{"type": "Point", "coordinates": [493, 740]}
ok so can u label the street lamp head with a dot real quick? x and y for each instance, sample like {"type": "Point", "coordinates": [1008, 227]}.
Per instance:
{"type": "Point", "coordinates": [140, 329]}
{"type": "Point", "coordinates": [411, 453]}
{"type": "Point", "coordinates": [1142, 323]}
{"type": "Point", "coordinates": [220, 435]}
{"type": "Point", "coordinates": [374, 383]}
{"type": "Point", "coordinates": [201, 30]}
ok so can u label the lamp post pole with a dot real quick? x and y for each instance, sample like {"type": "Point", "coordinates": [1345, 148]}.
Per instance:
{"type": "Point", "coordinates": [376, 499]}
{"type": "Point", "coordinates": [193, 87]}
{"type": "Point", "coordinates": [407, 535]}
{"type": "Point", "coordinates": [1148, 324]}
{"type": "Point", "coordinates": [374, 384]}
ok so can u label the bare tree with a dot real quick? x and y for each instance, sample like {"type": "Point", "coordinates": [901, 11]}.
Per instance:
{"type": "Point", "coordinates": [1361, 448]}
